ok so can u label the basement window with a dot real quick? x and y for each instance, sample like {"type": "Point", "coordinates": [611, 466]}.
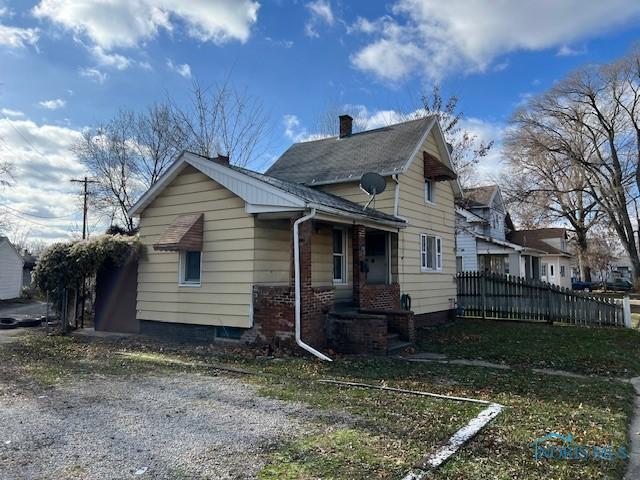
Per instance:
{"type": "Point", "coordinates": [190, 268]}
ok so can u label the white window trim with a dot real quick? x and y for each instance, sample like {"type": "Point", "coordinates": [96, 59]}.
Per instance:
{"type": "Point", "coordinates": [182, 258]}
{"type": "Point", "coordinates": [438, 258]}
{"type": "Point", "coordinates": [337, 281]}
{"type": "Point", "coordinates": [433, 192]}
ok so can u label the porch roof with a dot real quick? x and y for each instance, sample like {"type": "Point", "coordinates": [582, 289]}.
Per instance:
{"type": "Point", "coordinates": [506, 244]}
{"type": "Point", "coordinates": [263, 193]}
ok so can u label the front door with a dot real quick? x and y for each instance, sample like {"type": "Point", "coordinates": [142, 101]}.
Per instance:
{"type": "Point", "coordinates": [376, 256]}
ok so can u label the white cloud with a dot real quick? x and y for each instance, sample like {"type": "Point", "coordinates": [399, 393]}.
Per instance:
{"type": "Point", "coordinates": [7, 112]}
{"type": "Point", "coordinates": [490, 167]}
{"type": "Point", "coordinates": [93, 74]}
{"type": "Point", "coordinates": [125, 23]}
{"type": "Point", "coordinates": [43, 167]}
{"type": "Point", "coordinates": [113, 60]}
{"type": "Point", "coordinates": [53, 104]}
{"type": "Point", "coordinates": [183, 69]}
{"type": "Point", "coordinates": [321, 13]}
{"type": "Point", "coordinates": [295, 132]}
{"type": "Point", "coordinates": [15, 37]}
{"type": "Point", "coordinates": [437, 38]}
{"type": "Point", "coordinates": [567, 51]}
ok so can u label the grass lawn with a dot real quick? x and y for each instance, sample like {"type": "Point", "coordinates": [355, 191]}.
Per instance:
{"type": "Point", "coordinates": [597, 351]}
{"type": "Point", "coordinates": [371, 434]}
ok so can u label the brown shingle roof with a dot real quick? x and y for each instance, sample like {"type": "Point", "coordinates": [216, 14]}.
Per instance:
{"type": "Point", "coordinates": [434, 169]}
{"type": "Point", "coordinates": [185, 233]}
{"type": "Point", "coordinates": [535, 239]}
{"type": "Point", "coordinates": [479, 196]}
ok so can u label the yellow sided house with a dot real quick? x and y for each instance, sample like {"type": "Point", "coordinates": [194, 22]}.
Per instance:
{"type": "Point", "coordinates": [302, 253]}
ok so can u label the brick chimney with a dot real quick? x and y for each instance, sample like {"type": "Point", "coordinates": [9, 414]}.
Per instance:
{"type": "Point", "coordinates": [223, 159]}
{"type": "Point", "coordinates": [346, 124]}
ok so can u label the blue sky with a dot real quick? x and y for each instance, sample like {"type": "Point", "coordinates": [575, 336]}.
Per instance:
{"type": "Point", "coordinates": [66, 65]}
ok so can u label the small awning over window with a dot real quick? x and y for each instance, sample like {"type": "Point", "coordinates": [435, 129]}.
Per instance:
{"type": "Point", "coordinates": [185, 233]}
{"type": "Point", "coordinates": [434, 169]}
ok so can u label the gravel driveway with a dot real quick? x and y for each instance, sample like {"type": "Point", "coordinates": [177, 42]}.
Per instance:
{"type": "Point", "coordinates": [185, 426]}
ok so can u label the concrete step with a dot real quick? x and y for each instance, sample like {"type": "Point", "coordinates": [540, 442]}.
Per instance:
{"type": "Point", "coordinates": [396, 346]}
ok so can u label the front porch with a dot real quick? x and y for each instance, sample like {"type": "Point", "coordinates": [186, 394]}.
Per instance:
{"type": "Point", "coordinates": [350, 296]}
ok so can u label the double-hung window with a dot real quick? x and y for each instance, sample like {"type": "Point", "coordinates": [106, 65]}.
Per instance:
{"type": "Point", "coordinates": [190, 268]}
{"type": "Point", "coordinates": [430, 253]}
{"type": "Point", "coordinates": [339, 256]}
{"type": "Point", "coordinates": [429, 187]}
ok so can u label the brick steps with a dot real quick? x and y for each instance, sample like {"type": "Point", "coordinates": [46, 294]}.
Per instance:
{"type": "Point", "coordinates": [395, 344]}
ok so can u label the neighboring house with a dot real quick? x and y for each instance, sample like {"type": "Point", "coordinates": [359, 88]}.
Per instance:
{"type": "Point", "coordinates": [556, 260]}
{"type": "Point", "coordinates": [218, 248]}
{"type": "Point", "coordinates": [481, 242]}
{"type": "Point", "coordinates": [621, 268]}
{"type": "Point", "coordinates": [11, 264]}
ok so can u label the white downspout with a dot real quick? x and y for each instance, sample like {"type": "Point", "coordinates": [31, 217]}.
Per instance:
{"type": "Point", "coordinates": [296, 269]}
{"type": "Point", "coordinates": [397, 196]}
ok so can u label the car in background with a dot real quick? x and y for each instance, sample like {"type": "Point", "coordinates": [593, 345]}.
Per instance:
{"type": "Point", "coordinates": [583, 285]}
{"type": "Point", "coordinates": [620, 285]}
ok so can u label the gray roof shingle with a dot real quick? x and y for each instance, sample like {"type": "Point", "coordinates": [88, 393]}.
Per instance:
{"type": "Point", "coordinates": [383, 150]}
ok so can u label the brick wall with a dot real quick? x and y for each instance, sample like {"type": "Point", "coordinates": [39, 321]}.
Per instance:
{"type": "Point", "coordinates": [273, 316]}
{"type": "Point", "coordinates": [434, 318]}
{"type": "Point", "coordinates": [402, 323]}
{"type": "Point", "coordinates": [380, 297]}
{"type": "Point", "coordinates": [358, 333]}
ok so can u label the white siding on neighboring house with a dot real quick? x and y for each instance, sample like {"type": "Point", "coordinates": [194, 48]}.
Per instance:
{"type": "Point", "coordinates": [466, 249]}
{"type": "Point", "coordinates": [11, 264]}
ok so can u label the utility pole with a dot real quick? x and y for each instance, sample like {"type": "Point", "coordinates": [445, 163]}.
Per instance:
{"type": "Point", "coordinates": [85, 208]}
{"type": "Point", "coordinates": [85, 181]}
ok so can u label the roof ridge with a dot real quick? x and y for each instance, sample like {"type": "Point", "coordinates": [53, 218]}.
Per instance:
{"type": "Point", "coordinates": [366, 131]}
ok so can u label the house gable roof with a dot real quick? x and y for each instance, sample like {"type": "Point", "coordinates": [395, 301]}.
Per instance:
{"type": "Point", "coordinates": [4, 240]}
{"type": "Point", "coordinates": [480, 196]}
{"type": "Point", "coordinates": [259, 190]}
{"type": "Point", "coordinates": [385, 150]}
{"type": "Point", "coordinates": [535, 239]}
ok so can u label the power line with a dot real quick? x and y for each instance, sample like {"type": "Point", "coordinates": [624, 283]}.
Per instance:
{"type": "Point", "coordinates": [29, 220]}
{"type": "Point", "coordinates": [25, 138]}
{"type": "Point", "coordinates": [34, 215]}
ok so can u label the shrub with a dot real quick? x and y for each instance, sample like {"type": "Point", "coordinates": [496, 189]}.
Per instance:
{"type": "Point", "coordinates": [64, 265]}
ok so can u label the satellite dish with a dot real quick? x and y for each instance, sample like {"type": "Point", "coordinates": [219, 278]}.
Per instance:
{"type": "Point", "coordinates": [372, 183]}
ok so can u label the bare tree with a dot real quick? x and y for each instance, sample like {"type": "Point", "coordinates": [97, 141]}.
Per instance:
{"type": "Point", "coordinates": [544, 182]}
{"type": "Point", "coordinates": [109, 153]}
{"type": "Point", "coordinates": [466, 148]}
{"type": "Point", "coordinates": [157, 142]}
{"type": "Point", "coordinates": [6, 176]}
{"type": "Point", "coordinates": [603, 251]}
{"type": "Point", "coordinates": [222, 119]}
{"type": "Point", "coordinates": [592, 119]}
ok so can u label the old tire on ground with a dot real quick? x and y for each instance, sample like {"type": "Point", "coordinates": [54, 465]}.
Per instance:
{"type": "Point", "coordinates": [29, 322]}
{"type": "Point", "coordinates": [7, 322]}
